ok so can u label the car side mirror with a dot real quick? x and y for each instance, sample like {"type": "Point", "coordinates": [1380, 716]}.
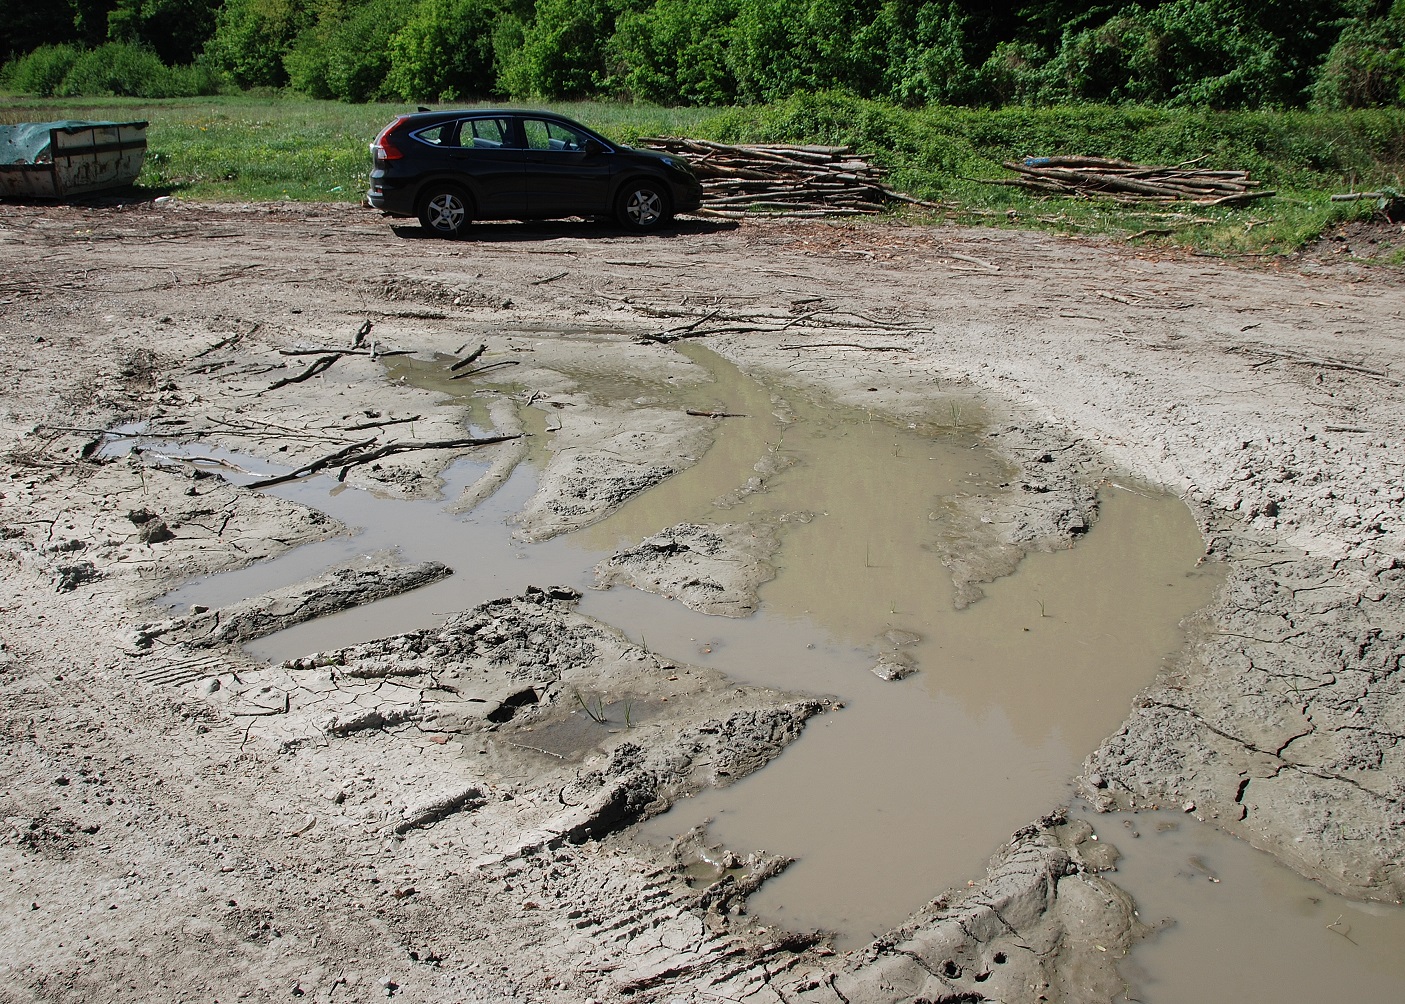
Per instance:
{"type": "Point", "coordinates": [593, 148]}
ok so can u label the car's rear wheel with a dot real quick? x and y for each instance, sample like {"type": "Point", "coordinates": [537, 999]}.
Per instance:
{"type": "Point", "coordinates": [643, 205]}
{"type": "Point", "coordinates": [445, 210]}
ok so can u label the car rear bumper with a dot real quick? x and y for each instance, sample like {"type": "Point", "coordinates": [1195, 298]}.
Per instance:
{"type": "Point", "coordinates": [390, 197]}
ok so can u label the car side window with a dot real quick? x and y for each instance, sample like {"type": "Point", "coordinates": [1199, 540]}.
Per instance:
{"type": "Point", "coordinates": [439, 135]}
{"type": "Point", "coordinates": [485, 134]}
{"type": "Point", "coordinates": [544, 135]}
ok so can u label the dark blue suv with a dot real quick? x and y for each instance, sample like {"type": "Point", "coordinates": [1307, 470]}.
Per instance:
{"type": "Point", "coordinates": [450, 167]}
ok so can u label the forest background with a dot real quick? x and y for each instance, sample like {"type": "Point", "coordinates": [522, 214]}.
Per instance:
{"type": "Point", "coordinates": [1220, 54]}
{"type": "Point", "coordinates": [255, 100]}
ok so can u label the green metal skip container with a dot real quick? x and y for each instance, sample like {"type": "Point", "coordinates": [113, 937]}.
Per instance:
{"type": "Point", "coordinates": [54, 160]}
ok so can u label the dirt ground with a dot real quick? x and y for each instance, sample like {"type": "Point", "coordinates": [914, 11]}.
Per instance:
{"type": "Point", "coordinates": [181, 823]}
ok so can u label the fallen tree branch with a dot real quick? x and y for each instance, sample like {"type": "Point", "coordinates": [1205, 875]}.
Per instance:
{"type": "Point", "coordinates": [321, 365]}
{"type": "Point", "coordinates": [354, 454]}
{"type": "Point", "coordinates": [1123, 181]}
{"type": "Point", "coordinates": [849, 345]}
{"type": "Point", "coordinates": [443, 444]}
{"type": "Point", "coordinates": [315, 466]}
{"type": "Point", "coordinates": [374, 353]}
{"type": "Point", "coordinates": [230, 340]}
{"type": "Point", "coordinates": [485, 369]}
{"type": "Point", "coordinates": [469, 359]}
{"type": "Point", "coordinates": [380, 423]}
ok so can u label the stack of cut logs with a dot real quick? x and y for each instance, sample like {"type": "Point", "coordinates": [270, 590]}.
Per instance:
{"type": "Point", "coordinates": [783, 180]}
{"type": "Point", "coordinates": [1126, 182]}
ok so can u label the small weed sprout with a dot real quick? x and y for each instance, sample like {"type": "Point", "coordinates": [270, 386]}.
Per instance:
{"type": "Point", "coordinates": [597, 713]}
{"type": "Point", "coordinates": [628, 713]}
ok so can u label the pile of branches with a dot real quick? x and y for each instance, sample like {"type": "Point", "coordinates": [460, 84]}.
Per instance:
{"type": "Point", "coordinates": [784, 180]}
{"type": "Point", "coordinates": [1127, 182]}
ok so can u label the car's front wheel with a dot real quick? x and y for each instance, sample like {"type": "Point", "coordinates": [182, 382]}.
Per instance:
{"type": "Point", "coordinates": [643, 205]}
{"type": "Point", "coordinates": [445, 210]}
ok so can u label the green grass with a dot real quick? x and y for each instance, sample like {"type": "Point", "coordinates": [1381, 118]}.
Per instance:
{"type": "Point", "coordinates": [259, 148]}
{"type": "Point", "coordinates": [271, 147]}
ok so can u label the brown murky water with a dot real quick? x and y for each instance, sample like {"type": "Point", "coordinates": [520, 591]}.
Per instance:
{"type": "Point", "coordinates": [1240, 928]}
{"type": "Point", "coordinates": [906, 791]}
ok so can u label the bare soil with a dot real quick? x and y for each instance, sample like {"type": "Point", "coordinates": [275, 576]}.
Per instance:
{"type": "Point", "coordinates": [422, 817]}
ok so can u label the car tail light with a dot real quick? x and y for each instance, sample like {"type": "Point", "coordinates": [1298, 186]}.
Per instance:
{"type": "Point", "coordinates": [383, 148]}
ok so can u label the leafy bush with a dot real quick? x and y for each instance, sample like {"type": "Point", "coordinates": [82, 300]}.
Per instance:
{"type": "Point", "coordinates": [1016, 73]}
{"type": "Point", "coordinates": [676, 51]}
{"type": "Point", "coordinates": [445, 52]}
{"type": "Point", "coordinates": [42, 71]}
{"type": "Point", "coordinates": [1181, 53]}
{"type": "Point", "coordinates": [346, 54]}
{"type": "Point", "coordinates": [563, 49]}
{"type": "Point", "coordinates": [1366, 67]}
{"type": "Point", "coordinates": [779, 47]}
{"type": "Point", "coordinates": [922, 52]}
{"type": "Point", "coordinates": [121, 70]}
{"type": "Point", "coordinates": [175, 30]}
{"type": "Point", "coordinates": [252, 36]}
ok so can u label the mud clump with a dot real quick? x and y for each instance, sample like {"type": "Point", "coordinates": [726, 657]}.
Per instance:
{"type": "Point", "coordinates": [1041, 925]}
{"type": "Point", "coordinates": [339, 588]}
{"type": "Point", "coordinates": [1053, 467]}
{"type": "Point", "coordinates": [711, 569]}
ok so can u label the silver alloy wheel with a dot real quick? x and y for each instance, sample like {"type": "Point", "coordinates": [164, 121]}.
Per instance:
{"type": "Point", "coordinates": [644, 207]}
{"type": "Point", "coordinates": [445, 212]}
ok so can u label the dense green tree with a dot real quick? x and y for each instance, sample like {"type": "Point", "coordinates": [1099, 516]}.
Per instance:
{"type": "Point", "coordinates": [175, 30]}
{"type": "Point", "coordinates": [564, 51]}
{"type": "Point", "coordinates": [445, 51]}
{"type": "Point", "coordinates": [345, 53]}
{"type": "Point", "coordinates": [676, 51]}
{"type": "Point", "coordinates": [1366, 67]}
{"type": "Point", "coordinates": [1207, 53]}
{"type": "Point", "coordinates": [251, 38]}
{"type": "Point", "coordinates": [26, 25]}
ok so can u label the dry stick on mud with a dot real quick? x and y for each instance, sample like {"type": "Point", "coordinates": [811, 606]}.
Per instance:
{"type": "Point", "coordinates": [379, 423]}
{"type": "Point", "coordinates": [315, 466]}
{"type": "Point", "coordinates": [361, 334]}
{"type": "Point", "coordinates": [484, 369]}
{"type": "Point", "coordinates": [442, 444]}
{"type": "Point", "coordinates": [469, 359]}
{"type": "Point", "coordinates": [849, 345]}
{"type": "Point", "coordinates": [317, 367]}
{"type": "Point", "coordinates": [348, 457]}
{"type": "Point", "coordinates": [375, 353]}
{"type": "Point", "coordinates": [228, 341]}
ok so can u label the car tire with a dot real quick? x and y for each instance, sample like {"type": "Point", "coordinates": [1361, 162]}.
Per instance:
{"type": "Point", "coordinates": [445, 210]}
{"type": "Point", "coordinates": [643, 205]}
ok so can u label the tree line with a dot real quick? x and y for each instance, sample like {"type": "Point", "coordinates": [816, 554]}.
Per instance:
{"type": "Point", "coordinates": [1180, 53]}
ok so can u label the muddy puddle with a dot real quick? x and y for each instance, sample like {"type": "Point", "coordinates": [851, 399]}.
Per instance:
{"type": "Point", "coordinates": [907, 790]}
{"type": "Point", "coordinates": [487, 562]}
{"type": "Point", "coordinates": [1232, 925]}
